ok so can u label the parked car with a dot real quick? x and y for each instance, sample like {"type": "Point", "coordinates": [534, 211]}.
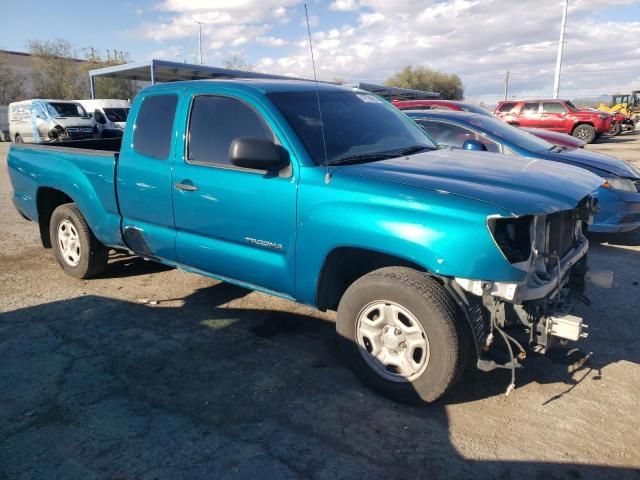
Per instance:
{"type": "Point", "coordinates": [36, 121]}
{"type": "Point", "coordinates": [556, 138]}
{"type": "Point", "coordinates": [556, 115]}
{"type": "Point", "coordinates": [548, 135]}
{"type": "Point", "coordinates": [436, 104]}
{"type": "Point", "coordinates": [619, 194]}
{"type": "Point", "coordinates": [355, 210]}
{"type": "Point", "coordinates": [110, 115]}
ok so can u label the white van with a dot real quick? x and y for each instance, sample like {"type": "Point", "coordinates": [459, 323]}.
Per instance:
{"type": "Point", "coordinates": [110, 115]}
{"type": "Point", "coordinates": [38, 120]}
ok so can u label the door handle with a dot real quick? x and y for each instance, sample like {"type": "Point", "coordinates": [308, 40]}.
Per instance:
{"type": "Point", "coordinates": [187, 187]}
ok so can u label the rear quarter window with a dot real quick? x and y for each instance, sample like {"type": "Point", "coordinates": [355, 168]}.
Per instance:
{"type": "Point", "coordinates": [154, 124]}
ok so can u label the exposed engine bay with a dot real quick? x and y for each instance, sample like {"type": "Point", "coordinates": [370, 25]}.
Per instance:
{"type": "Point", "coordinates": [552, 250]}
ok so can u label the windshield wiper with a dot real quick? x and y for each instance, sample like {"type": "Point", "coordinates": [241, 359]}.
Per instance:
{"type": "Point", "coordinates": [414, 149]}
{"type": "Point", "coordinates": [362, 158]}
{"type": "Point", "coordinates": [557, 148]}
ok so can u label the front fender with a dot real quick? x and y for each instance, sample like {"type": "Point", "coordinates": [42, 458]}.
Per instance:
{"type": "Point", "coordinates": [443, 233]}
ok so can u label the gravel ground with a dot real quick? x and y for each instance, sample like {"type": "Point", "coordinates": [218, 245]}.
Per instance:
{"type": "Point", "coordinates": [150, 372]}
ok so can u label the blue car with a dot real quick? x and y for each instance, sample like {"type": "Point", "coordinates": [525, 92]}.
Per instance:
{"type": "Point", "coordinates": [619, 195]}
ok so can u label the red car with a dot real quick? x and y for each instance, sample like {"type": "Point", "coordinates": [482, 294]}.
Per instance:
{"type": "Point", "coordinates": [557, 116]}
{"type": "Point", "coordinates": [548, 135]}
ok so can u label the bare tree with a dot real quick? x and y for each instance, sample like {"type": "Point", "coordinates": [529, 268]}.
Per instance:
{"type": "Point", "coordinates": [10, 84]}
{"type": "Point", "coordinates": [238, 62]}
{"type": "Point", "coordinates": [56, 71]}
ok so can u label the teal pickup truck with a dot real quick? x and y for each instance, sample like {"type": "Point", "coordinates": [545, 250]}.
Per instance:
{"type": "Point", "coordinates": [333, 198]}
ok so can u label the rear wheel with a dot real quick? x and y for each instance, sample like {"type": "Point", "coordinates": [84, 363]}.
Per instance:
{"type": "Point", "coordinates": [401, 334]}
{"type": "Point", "coordinates": [18, 138]}
{"type": "Point", "coordinates": [585, 133]}
{"type": "Point", "coordinates": [77, 250]}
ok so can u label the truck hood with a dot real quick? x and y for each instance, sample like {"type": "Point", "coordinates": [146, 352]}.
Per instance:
{"type": "Point", "coordinates": [517, 184]}
{"type": "Point", "coordinates": [600, 161]}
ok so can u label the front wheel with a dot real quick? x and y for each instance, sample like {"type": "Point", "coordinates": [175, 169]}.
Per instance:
{"type": "Point", "coordinates": [401, 334]}
{"type": "Point", "coordinates": [616, 129]}
{"type": "Point", "coordinates": [18, 139]}
{"type": "Point", "coordinates": [77, 250]}
{"type": "Point", "coordinates": [586, 133]}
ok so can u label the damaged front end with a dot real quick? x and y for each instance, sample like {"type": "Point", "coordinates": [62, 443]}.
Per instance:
{"type": "Point", "coordinates": [552, 251]}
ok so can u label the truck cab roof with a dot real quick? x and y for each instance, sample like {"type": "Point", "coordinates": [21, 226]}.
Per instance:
{"type": "Point", "coordinates": [256, 84]}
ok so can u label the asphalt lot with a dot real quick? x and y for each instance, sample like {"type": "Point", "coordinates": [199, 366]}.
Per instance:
{"type": "Point", "coordinates": [150, 372]}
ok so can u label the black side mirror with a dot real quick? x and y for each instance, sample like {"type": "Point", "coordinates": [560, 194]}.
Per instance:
{"type": "Point", "coordinates": [258, 153]}
{"type": "Point", "coordinates": [475, 145]}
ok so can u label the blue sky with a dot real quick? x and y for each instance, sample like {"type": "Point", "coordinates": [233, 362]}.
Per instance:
{"type": "Point", "coordinates": [363, 40]}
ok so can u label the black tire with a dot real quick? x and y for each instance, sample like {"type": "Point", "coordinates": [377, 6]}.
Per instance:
{"type": "Point", "coordinates": [93, 255]}
{"type": "Point", "coordinates": [585, 133]}
{"type": "Point", "coordinates": [19, 138]}
{"type": "Point", "coordinates": [432, 306]}
{"type": "Point", "coordinates": [616, 129]}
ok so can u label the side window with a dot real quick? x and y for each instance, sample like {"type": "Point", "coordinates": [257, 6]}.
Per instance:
{"type": "Point", "coordinates": [553, 107]}
{"type": "Point", "coordinates": [489, 144]}
{"type": "Point", "coordinates": [530, 108]}
{"type": "Point", "coordinates": [506, 107]}
{"type": "Point", "coordinates": [99, 116]}
{"type": "Point", "coordinates": [154, 124]}
{"type": "Point", "coordinates": [447, 133]}
{"type": "Point", "coordinates": [216, 122]}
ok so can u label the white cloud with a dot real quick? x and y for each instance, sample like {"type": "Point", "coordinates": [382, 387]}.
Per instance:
{"type": "Point", "coordinates": [271, 41]}
{"type": "Point", "coordinates": [479, 40]}
{"type": "Point", "coordinates": [476, 39]}
{"type": "Point", "coordinates": [343, 5]}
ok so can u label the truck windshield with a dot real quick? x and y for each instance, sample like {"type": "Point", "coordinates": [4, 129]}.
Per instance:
{"type": "Point", "coordinates": [357, 126]}
{"type": "Point", "coordinates": [117, 114]}
{"type": "Point", "coordinates": [60, 109]}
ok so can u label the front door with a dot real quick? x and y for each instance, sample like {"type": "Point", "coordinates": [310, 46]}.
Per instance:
{"type": "Point", "coordinates": [144, 178]}
{"type": "Point", "coordinates": [530, 115]}
{"type": "Point", "coordinates": [235, 223]}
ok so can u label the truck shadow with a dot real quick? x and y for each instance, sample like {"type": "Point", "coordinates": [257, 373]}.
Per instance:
{"type": "Point", "coordinates": [233, 382]}
{"type": "Point", "coordinates": [629, 238]}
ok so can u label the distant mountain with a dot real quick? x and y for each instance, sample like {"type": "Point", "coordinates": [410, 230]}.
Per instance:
{"type": "Point", "coordinates": [592, 101]}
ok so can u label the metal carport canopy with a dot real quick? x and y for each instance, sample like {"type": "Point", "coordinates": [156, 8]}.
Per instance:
{"type": "Point", "coordinates": [394, 93]}
{"type": "Point", "coordinates": [155, 70]}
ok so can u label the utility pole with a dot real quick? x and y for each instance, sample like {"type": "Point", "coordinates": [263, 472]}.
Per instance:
{"type": "Point", "coordinates": [200, 39]}
{"type": "Point", "coordinates": [556, 80]}
{"type": "Point", "coordinates": [506, 86]}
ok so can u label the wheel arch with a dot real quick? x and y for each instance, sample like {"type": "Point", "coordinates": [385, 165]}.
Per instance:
{"type": "Point", "coordinates": [343, 265]}
{"type": "Point", "coordinates": [580, 123]}
{"type": "Point", "coordinates": [47, 200]}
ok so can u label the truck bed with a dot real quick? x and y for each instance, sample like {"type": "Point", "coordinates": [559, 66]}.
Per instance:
{"type": "Point", "coordinates": [99, 146]}
{"type": "Point", "coordinates": [84, 170]}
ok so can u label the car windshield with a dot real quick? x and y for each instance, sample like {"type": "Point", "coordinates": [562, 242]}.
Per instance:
{"type": "Point", "coordinates": [571, 105]}
{"type": "Point", "coordinates": [356, 125]}
{"type": "Point", "coordinates": [66, 109]}
{"type": "Point", "coordinates": [508, 133]}
{"type": "Point", "coordinates": [117, 114]}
